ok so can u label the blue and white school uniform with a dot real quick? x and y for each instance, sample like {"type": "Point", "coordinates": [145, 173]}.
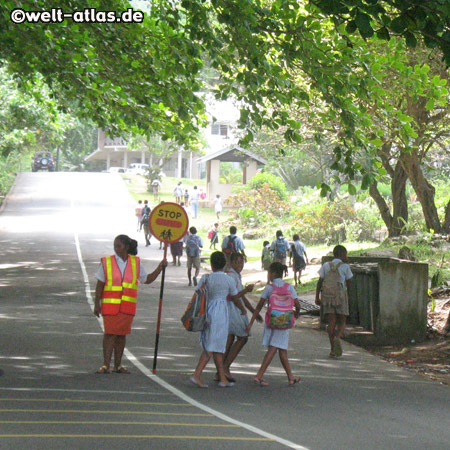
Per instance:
{"type": "Point", "coordinates": [271, 337]}
{"type": "Point", "coordinates": [220, 286]}
{"type": "Point", "coordinates": [238, 322]}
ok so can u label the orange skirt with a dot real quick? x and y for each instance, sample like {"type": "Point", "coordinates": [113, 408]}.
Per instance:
{"type": "Point", "coordinates": [120, 324]}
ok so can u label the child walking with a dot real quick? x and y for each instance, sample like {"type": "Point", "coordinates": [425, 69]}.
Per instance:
{"type": "Point", "coordinates": [331, 293]}
{"type": "Point", "coordinates": [298, 253]}
{"type": "Point", "coordinates": [213, 235]}
{"type": "Point", "coordinates": [276, 339]}
{"type": "Point", "coordinates": [266, 257]}
{"type": "Point", "coordinates": [238, 322]}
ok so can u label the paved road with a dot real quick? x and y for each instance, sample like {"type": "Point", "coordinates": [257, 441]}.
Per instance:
{"type": "Point", "coordinates": [53, 230]}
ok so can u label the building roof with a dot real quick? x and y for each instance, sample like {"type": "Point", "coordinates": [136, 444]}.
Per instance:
{"type": "Point", "coordinates": [233, 153]}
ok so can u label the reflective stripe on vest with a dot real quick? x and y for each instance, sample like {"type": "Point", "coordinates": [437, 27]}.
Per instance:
{"type": "Point", "coordinates": [120, 294]}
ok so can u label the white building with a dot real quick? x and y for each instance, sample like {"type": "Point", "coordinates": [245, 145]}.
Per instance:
{"type": "Point", "coordinates": [220, 137]}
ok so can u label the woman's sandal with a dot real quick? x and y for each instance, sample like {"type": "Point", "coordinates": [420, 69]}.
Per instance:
{"type": "Point", "coordinates": [121, 369]}
{"type": "Point", "coordinates": [103, 369]}
{"type": "Point", "coordinates": [294, 381]}
{"type": "Point", "coordinates": [260, 381]}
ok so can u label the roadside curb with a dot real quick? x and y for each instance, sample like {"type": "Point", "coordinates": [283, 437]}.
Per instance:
{"type": "Point", "coordinates": [10, 193]}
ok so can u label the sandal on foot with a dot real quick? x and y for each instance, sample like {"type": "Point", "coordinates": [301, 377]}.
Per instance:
{"type": "Point", "coordinates": [294, 381]}
{"type": "Point", "coordinates": [121, 369]}
{"type": "Point", "coordinates": [225, 385]}
{"type": "Point", "coordinates": [199, 384]}
{"type": "Point", "coordinates": [103, 369]}
{"type": "Point", "coordinates": [260, 381]}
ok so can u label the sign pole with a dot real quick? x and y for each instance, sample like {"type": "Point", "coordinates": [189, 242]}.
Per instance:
{"type": "Point", "coordinates": [168, 222]}
{"type": "Point", "coordinates": [158, 323]}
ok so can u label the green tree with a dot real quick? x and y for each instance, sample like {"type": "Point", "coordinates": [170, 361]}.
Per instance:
{"type": "Point", "coordinates": [127, 77]}
{"type": "Point", "coordinates": [29, 118]}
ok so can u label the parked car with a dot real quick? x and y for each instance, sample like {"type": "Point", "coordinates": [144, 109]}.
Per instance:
{"type": "Point", "coordinates": [116, 170]}
{"type": "Point", "coordinates": [43, 161]}
{"type": "Point", "coordinates": [138, 168]}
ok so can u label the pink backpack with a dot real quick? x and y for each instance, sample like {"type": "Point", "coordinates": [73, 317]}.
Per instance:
{"type": "Point", "coordinates": [280, 315]}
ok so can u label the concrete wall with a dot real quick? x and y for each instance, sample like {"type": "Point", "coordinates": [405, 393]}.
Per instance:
{"type": "Point", "coordinates": [403, 301]}
{"type": "Point", "coordinates": [214, 186]}
{"type": "Point", "coordinates": [393, 306]}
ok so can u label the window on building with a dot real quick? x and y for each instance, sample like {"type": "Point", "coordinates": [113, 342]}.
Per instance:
{"type": "Point", "coordinates": [219, 129]}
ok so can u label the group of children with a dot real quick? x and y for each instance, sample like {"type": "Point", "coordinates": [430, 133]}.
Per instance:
{"type": "Point", "coordinates": [280, 249]}
{"type": "Point", "coordinates": [229, 326]}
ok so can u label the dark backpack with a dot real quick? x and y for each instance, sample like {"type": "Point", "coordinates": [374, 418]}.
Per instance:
{"type": "Point", "coordinates": [231, 247]}
{"type": "Point", "coordinates": [280, 249]}
{"type": "Point", "coordinates": [192, 247]}
{"type": "Point", "coordinates": [145, 214]}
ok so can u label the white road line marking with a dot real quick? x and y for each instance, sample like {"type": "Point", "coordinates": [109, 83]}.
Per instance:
{"type": "Point", "coordinates": [167, 386]}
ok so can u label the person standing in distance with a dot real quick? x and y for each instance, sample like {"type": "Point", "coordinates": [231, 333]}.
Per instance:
{"type": "Point", "coordinates": [193, 245]}
{"type": "Point", "coordinates": [194, 202]}
{"type": "Point", "coordinates": [218, 206]}
{"type": "Point", "coordinates": [280, 248]}
{"type": "Point", "coordinates": [232, 244]}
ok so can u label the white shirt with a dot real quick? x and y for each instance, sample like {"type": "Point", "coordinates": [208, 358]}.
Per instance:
{"type": "Point", "coordinates": [194, 195]}
{"type": "Point", "coordinates": [100, 275]}
{"type": "Point", "coordinates": [344, 270]}
{"type": "Point", "coordinates": [300, 247]}
{"type": "Point", "coordinates": [273, 246]}
{"type": "Point", "coordinates": [238, 244]}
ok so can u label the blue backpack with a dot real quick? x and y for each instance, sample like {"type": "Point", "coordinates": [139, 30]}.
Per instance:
{"type": "Point", "coordinates": [192, 247]}
{"type": "Point", "coordinates": [280, 249]}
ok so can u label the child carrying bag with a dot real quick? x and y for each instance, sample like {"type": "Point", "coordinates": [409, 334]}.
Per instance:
{"type": "Point", "coordinates": [280, 314]}
{"type": "Point", "coordinates": [195, 318]}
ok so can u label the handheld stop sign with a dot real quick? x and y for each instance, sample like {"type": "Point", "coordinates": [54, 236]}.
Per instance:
{"type": "Point", "coordinates": [168, 223]}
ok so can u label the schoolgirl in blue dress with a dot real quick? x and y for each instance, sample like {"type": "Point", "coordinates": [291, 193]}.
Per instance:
{"type": "Point", "coordinates": [277, 340]}
{"type": "Point", "coordinates": [214, 338]}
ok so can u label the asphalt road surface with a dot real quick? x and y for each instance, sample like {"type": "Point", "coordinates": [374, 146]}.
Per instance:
{"type": "Point", "coordinates": [54, 228]}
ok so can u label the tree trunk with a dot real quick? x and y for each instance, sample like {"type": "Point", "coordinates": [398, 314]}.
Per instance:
{"type": "Point", "coordinates": [424, 190]}
{"type": "Point", "coordinates": [394, 222]}
{"type": "Point", "coordinates": [382, 205]}
{"type": "Point", "coordinates": [399, 200]}
{"type": "Point", "coordinates": [446, 227]}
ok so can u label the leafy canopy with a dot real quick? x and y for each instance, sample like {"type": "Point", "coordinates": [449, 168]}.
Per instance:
{"type": "Point", "coordinates": [126, 77]}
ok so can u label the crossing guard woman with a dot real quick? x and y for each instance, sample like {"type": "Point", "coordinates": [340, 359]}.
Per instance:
{"type": "Point", "coordinates": [116, 295]}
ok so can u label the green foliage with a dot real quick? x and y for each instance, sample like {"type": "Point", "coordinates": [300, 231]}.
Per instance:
{"type": "Point", "coordinates": [125, 73]}
{"type": "Point", "coordinates": [9, 166]}
{"type": "Point", "coordinates": [323, 221]}
{"type": "Point", "coordinates": [29, 120]}
{"type": "Point", "coordinates": [230, 174]}
{"type": "Point", "coordinates": [427, 19]}
{"type": "Point", "coordinates": [256, 206]}
{"type": "Point", "coordinates": [274, 182]}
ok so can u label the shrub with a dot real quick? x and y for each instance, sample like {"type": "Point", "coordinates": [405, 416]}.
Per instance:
{"type": "Point", "coordinates": [274, 182]}
{"type": "Point", "coordinates": [258, 206]}
{"type": "Point", "coordinates": [323, 222]}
